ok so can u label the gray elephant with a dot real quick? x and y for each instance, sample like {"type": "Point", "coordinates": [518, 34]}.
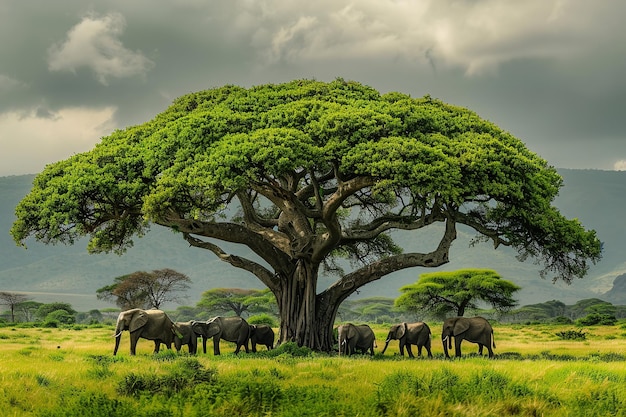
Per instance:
{"type": "Point", "coordinates": [147, 324]}
{"type": "Point", "coordinates": [231, 329]}
{"type": "Point", "coordinates": [189, 337]}
{"type": "Point", "coordinates": [473, 329]}
{"type": "Point", "coordinates": [261, 334]}
{"type": "Point", "coordinates": [351, 337]}
{"type": "Point", "coordinates": [410, 334]}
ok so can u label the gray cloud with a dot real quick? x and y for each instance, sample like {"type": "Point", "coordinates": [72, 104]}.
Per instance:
{"type": "Point", "coordinates": [549, 71]}
{"type": "Point", "coordinates": [94, 43]}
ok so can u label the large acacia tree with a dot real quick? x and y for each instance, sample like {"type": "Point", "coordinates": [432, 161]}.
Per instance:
{"type": "Point", "coordinates": [303, 174]}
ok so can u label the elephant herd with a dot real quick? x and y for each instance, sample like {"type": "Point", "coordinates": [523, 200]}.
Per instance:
{"type": "Point", "coordinates": [352, 338]}
{"type": "Point", "coordinates": [155, 325]}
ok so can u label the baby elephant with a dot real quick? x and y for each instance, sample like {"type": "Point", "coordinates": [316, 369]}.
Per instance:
{"type": "Point", "coordinates": [408, 334]}
{"type": "Point", "coordinates": [353, 337]}
{"type": "Point", "coordinates": [261, 334]}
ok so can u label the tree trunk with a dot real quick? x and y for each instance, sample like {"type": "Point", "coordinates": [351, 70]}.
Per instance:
{"type": "Point", "coordinates": [304, 320]}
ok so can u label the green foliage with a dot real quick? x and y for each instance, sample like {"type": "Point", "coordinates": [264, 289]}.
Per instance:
{"type": "Point", "coordinates": [597, 318]}
{"type": "Point", "coordinates": [45, 309]}
{"type": "Point", "coordinates": [240, 301]}
{"type": "Point", "coordinates": [572, 335]}
{"type": "Point", "coordinates": [184, 375]}
{"type": "Point", "coordinates": [588, 312]}
{"type": "Point", "coordinates": [263, 319]}
{"type": "Point", "coordinates": [60, 316]}
{"type": "Point", "coordinates": [442, 293]}
{"type": "Point", "coordinates": [207, 146]}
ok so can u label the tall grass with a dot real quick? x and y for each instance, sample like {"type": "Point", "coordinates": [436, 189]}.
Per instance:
{"type": "Point", "coordinates": [62, 372]}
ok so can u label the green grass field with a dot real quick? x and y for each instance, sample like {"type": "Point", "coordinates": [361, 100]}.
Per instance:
{"type": "Point", "coordinates": [71, 372]}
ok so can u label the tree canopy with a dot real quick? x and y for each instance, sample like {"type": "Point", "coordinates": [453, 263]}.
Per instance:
{"type": "Point", "coordinates": [441, 293]}
{"type": "Point", "coordinates": [237, 300]}
{"type": "Point", "coordinates": [304, 174]}
{"type": "Point", "coordinates": [145, 289]}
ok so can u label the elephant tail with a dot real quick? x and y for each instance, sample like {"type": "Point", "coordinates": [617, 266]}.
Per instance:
{"type": "Point", "coordinates": [493, 340]}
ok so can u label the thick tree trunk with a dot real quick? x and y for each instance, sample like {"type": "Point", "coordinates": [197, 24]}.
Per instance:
{"type": "Point", "coordinates": [304, 320]}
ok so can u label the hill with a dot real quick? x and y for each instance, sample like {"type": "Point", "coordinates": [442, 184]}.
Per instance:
{"type": "Point", "coordinates": [70, 274]}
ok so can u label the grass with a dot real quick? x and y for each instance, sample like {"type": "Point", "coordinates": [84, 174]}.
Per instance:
{"type": "Point", "coordinates": [63, 372]}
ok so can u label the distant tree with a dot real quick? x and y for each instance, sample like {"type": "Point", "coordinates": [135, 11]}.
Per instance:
{"type": "Point", "coordinates": [123, 294]}
{"type": "Point", "coordinates": [441, 293]}
{"type": "Point", "coordinates": [238, 300]}
{"type": "Point", "coordinates": [372, 309]}
{"type": "Point", "coordinates": [60, 316]}
{"type": "Point", "coordinates": [45, 309]}
{"type": "Point", "coordinates": [145, 289]}
{"type": "Point", "coordinates": [11, 300]}
{"type": "Point", "coordinates": [186, 313]}
{"type": "Point", "coordinates": [28, 309]}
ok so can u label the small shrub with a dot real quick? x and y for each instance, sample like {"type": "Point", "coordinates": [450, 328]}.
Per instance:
{"type": "Point", "coordinates": [572, 335]}
{"type": "Point", "coordinates": [562, 320]}
{"type": "Point", "coordinates": [263, 319]}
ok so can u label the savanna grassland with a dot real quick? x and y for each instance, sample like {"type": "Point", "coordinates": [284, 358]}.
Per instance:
{"type": "Point", "coordinates": [71, 372]}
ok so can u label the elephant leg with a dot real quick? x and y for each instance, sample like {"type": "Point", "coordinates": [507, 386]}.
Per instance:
{"type": "Point", "coordinates": [157, 346]}
{"type": "Point", "coordinates": [401, 348]}
{"type": "Point", "coordinates": [457, 346]}
{"type": "Point", "coordinates": [409, 351]}
{"type": "Point", "coordinates": [490, 350]}
{"type": "Point", "coordinates": [134, 338]}
{"type": "Point", "coordinates": [216, 345]}
{"type": "Point", "coordinates": [480, 349]}
{"type": "Point", "coordinates": [427, 346]}
{"type": "Point", "coordinates": [419, 349]}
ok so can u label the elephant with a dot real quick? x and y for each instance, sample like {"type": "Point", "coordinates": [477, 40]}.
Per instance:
{"type": "Point", "coordinates": [148, 324]}
{"type": "Point", "coordinates": [351, 338]}
{"type": "Point", "coordinates": [473, 329]}
{"type": "Point", "coordinates": [189, 337]}
{"type": "Point", "coordinates": [231, 329]}
{"type": "Point", "coordinates": [261, 334]}
{"type": "Point", "coordinates": [410, 334]}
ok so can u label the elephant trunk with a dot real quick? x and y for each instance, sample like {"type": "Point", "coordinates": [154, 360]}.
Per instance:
{"type": "Point", "coordinates": [386, 344]}
{"type": "Point", "coordinates": [119, 328]}
{"type": "Point", "coordinates": [118, 337]}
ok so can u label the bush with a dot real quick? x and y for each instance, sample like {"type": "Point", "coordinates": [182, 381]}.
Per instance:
{"type": "Point", "coordinates": [572, 335]}
{"type": "Point", "coordinates": [263, 319]}
{"type": "Point", "coordinates": [597, 319]}
{"type": "Point", "coordinates": [61, 316]}
{"type": "Point", "coordinates": [562, 320]}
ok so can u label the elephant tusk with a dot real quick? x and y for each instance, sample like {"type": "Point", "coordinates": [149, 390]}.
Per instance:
{"type": "Point", "coordinates": [444, 339]}
{"type": "Point", "coordinates": [119, 334]}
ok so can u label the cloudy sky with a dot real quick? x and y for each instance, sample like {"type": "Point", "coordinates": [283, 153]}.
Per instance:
{"type": "Point", "coordinates": [552, 72]}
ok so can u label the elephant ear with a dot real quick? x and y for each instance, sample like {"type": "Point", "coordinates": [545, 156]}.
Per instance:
{"type": "Point", "coordinates": [400, 331]}
{"type": "Point", "coordinates": [460, 326]}
{"type": "Point", "coordinates": [138, 321]}
{"type": "Point", "coordinates": [351, 332]}
{"type": "Point", "coordinates": [197, 327]}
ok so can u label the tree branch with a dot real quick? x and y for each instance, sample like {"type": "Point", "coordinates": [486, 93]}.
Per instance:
{"type": "Point", "coordinates": [262, 273]}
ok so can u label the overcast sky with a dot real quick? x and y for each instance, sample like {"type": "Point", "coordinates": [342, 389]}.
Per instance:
{"type": "Point", "coordinates": [551, 72]}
